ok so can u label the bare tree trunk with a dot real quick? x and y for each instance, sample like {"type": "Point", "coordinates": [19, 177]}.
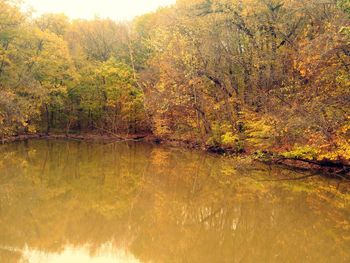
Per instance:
{"type": "Point", "coordinates": [48, 125]}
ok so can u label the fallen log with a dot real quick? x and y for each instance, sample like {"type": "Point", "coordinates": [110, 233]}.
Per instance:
{"type": "Point", "coordinates": [336, 168]}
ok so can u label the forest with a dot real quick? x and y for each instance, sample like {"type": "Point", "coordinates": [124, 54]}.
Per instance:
{"type": "Point", "coordinates": [251, 76]}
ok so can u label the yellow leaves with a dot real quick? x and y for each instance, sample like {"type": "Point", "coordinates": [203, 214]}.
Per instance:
{"type": "Point", "coordinates": [55, 23]}
{"type": "Point", "coordinates": [345, 129]}
{"type": "Point", "coordinates": [337, 149]}
{"type": "Point", "coordinates": [217, 106]}
{"type": "Point", "coordinates": [260, 132]}
{"type": "Point", "coordinates": [343, 153]}
{"type": "Point", "coordinates": [229, 139]}
{"type": "Point", "coordinates": [161, 127]}
{"type": "Point", "coordinates": [341, 145]}
{"type": "Point", "coordinates": [24, 123]}
{"type": "Point", "coordinates": [303, 152]}
{"type": "Point", "coordinates": [161, 86]}
{"type": "Point", "coordinates": [32, 129]}
{"type": "Point", "coordinates": [303, 72]}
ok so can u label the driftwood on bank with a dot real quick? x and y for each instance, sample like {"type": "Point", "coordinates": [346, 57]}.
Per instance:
{"type": "Point", "coordinates": [339, 168]}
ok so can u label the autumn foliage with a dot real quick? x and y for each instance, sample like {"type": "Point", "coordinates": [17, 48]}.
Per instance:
{"type": "Point", "coordinates": [250, 76]}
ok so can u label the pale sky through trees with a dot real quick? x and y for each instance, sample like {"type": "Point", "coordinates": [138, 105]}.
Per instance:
{"type": "Point", "coordinates": [114, 9]}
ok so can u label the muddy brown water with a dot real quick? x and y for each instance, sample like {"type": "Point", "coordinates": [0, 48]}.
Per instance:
{"type": "Point", "coordinates": [70, 201]}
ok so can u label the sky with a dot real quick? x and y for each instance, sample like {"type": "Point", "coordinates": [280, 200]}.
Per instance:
{"type": "Point", "coordinates": [118, 10]}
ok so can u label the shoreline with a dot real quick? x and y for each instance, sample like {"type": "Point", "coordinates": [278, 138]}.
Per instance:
{"type": "Point", "coordinates": [335, 169]}
{"type": "Point", "coordinates": [81, 137]}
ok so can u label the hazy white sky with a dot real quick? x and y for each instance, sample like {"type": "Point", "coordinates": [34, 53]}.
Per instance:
{"type": "Point", "coordinates": [114, 9]}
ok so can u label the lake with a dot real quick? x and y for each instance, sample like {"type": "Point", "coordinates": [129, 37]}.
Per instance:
{"type": "Point", "coordinates": [71, 201]}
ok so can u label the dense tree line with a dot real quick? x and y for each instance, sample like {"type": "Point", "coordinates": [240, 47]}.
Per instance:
{"type": "Point", "coordinates": [66, 75]}
{"type": "Point", "coordinates": [247, 75]}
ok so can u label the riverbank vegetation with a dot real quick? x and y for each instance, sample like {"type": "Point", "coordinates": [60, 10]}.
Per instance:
{"type": "Point", "coordinates": [255, 76]}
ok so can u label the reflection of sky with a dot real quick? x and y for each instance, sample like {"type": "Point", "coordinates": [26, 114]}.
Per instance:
{"type": "Point", "coordinates": [114, 9]}
{"type": "Point", "coordinates": [106, 254]}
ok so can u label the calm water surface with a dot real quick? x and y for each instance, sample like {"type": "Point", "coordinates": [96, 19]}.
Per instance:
{"type": "Point", "coordinates": [67, 201]}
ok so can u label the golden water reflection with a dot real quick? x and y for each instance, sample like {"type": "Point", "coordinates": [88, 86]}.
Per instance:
{"type": "Point", "coordinates": [64, 201]}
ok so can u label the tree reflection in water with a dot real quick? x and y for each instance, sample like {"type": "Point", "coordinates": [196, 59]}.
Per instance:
{"type": "Point", "coordinates": [157, 204]}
